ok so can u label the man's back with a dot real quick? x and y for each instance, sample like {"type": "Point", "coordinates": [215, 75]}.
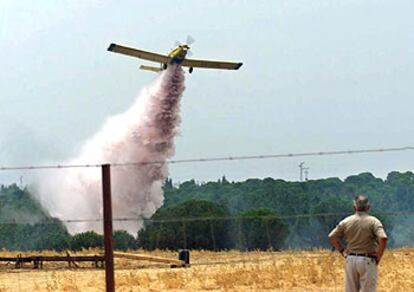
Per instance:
{"type": "Point", "coordinates": [361, 231]}
{"type": "Point", "coordinates": [366, 241]}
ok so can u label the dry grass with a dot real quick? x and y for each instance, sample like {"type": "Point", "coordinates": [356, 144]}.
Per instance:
{"type": "Point", "coordinates": [214, 271]}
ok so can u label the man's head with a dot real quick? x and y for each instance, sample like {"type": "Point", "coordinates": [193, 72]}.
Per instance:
{"type": "Point", "coordinates": [361, 203]}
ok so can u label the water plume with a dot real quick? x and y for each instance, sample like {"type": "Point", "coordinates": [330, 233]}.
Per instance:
{"type": "Point", "coordinates": [144, 133]}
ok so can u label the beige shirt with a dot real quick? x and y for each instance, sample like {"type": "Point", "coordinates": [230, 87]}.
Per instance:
{"type": "Point", "coordinates": [361, 232]}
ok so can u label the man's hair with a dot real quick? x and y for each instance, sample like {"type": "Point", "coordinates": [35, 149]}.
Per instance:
{"type": "Point", "coordinates": [361, 203]}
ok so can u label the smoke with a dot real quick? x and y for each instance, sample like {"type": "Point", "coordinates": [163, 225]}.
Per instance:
{"type": "Point", "coordinates": [144, 133]}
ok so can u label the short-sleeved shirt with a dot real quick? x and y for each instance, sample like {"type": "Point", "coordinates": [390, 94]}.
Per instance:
{"type": "Point", "coordinates": [361, 232]}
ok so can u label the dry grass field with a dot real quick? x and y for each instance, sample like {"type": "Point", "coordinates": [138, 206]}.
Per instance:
{"type": "Point", "coordinates": [213, 271]}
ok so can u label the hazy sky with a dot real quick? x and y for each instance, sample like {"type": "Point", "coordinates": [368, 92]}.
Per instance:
{"type": "Point", "coordinates": [317, 76]}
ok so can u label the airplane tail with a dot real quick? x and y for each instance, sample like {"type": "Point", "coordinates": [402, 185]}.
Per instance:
{"type": "Point", "coordinates": [150, 68]}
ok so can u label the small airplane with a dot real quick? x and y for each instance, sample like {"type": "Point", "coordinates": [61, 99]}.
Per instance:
{"type": "Point", "coordinates": [176, 56]}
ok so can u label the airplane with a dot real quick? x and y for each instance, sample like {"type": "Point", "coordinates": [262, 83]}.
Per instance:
{"type": "Point", "coordinates": [176, 56]}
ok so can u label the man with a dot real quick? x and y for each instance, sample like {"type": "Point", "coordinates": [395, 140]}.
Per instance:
{"type": "Point", "coordinates": [366, 241]}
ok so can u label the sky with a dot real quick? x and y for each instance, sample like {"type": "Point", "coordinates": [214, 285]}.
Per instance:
{"type": "Point", "coordinates": [317, 76]}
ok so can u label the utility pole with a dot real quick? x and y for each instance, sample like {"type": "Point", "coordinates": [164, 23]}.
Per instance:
{"type": "Point", "coordinates": [306, 170]}
{"type": "Point", "coordinates": [301, 167]}
{"type": "Point", "coordinates": [107, 225]}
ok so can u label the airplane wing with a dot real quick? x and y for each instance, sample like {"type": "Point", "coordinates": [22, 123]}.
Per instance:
{"type": "Point", "coordinates": [138, 53]}
{"type": "Point", "coordinates": [211, 64]}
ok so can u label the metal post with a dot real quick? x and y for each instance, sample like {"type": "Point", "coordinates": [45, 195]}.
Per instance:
{"type": "Point", "coordinates": [157, 236]}
{"type": "Point", "coordinates": [213, 238]}
{"type": "Point", "coordinates": [184, 234]}
{"type": "Point", "coordinates": [269, 239]}
{"type": "Point", "coordinates": [107, 225]}
{"type": "Point", "coordinates": [239, 222]}
{"type": "Point", "coordinates": [301, 171]}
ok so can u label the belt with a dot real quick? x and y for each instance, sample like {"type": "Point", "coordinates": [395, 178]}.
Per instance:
{"type": "Point", "coordinates": [363, 255]}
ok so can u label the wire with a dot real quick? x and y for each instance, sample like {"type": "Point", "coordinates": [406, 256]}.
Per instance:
{"type": "Point", "coordinates": [194, 219]}
{"type": "Point", "coordinates": [213, 159]}
{"type": "Point", "coordinates": [49, 166]}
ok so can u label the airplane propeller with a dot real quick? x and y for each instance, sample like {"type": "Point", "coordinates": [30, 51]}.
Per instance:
{"type": "Point", "coordinates": [190, 40]}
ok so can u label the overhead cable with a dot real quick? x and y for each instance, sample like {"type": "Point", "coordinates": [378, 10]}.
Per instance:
{"type": "Point", "coordinates": [213, 159]}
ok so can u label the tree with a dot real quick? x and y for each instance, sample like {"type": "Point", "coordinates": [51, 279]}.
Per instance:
{"type": "Point", "coordinates": [262, 229]}
{"type": "Point", "coordinates": [184, 226]}
{"type": "Point", "coordinates": [84, 240]}
{"type": "Point", "coordinates": [123, 240]}
{"type": "Point", "coordinates": [49, 235]}
{"type": "Point", "coordinates": [327, 214]}
{"type": "Point", "coordinates": [286, 198]}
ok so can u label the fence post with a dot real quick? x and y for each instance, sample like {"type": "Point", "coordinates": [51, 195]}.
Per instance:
{"type": "Point", "coordinates": [239, 222]}
{"type": "Point", "coordinates": [184, 234]}
{"type": "Point", "coordinates": [107, 227]}
{"type": "Point", "coordinates": [269, 240]}
{"type": "Point", "coordinates": [212, 234]}
{"type": "Point", "coordinates": [157, 236]}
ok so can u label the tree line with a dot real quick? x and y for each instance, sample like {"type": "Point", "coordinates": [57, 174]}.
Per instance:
{"type": "Point", "coordinates": [253, 214]}
{"type": "Point", "coordinates": [256, 229]}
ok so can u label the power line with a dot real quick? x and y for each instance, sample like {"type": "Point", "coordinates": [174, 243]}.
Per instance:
{"type": "Point", "coordinates": [213, 159]}
{"type": "Point", "coordinates": [301, 167]}
{"type": "Point", "coordinates": [205, 218]}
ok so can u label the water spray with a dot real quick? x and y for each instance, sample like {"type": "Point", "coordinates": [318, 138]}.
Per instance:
{"type": "Point", "coordinates": [142, 134]}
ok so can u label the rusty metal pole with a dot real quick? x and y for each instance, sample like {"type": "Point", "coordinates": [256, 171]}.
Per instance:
{"type": "Point", "coordinates": [107, 227]}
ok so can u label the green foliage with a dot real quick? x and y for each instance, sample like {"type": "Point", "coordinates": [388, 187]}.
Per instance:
{"type": "Point", "coordinates": [122, 240]}
{"type": "Point", "coordinates": [48, 235]}
{"type": "Point", "coordinates": [85, 240]}
{"type": "Point", "coordinates": [262, 229]}
{"type": "Point", "coordinates": [330, 195]}
{"type": "Point", "coordinates": [51, 235]}
{"type": "Point", "coordinates": [333, 210]}
{"type": "Point", "coordinates": [24, 225]}
{"type": "Point", "coordinates": [185, 231]}
{"type": "Point", "coordinates": [396, 193]}
{"type": "Point", "coordinates": [17, 205]}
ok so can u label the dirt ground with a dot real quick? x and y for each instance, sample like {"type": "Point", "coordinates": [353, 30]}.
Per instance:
{"type": "Point", "coordinates": [212, 271]}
